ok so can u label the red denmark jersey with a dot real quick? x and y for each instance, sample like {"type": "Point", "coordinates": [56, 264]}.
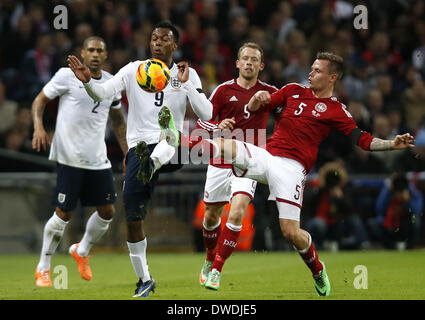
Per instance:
{"type": "Point", "coordinates": [304, 123]}
{"type": "Point", "coordinates": [230, 100]}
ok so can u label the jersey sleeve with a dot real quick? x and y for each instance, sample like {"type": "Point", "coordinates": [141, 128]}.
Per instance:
{"type": "Point", "coordinates": [212, 125]}
{"type": "Point", "coordinates": [58, 85]}
{"type": "Point", "coordinates": [279, 97]}
{"type": "Point", "coordinates": [343, 121]}
{"type": "Point", "coordinates": [194, 78]}
{"type": "Point", "coordinates": [111, 87]}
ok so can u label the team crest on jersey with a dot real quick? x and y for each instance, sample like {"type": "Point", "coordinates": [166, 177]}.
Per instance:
{"type": "Point", "coordinates": [175, 83]}
{"type": "Point", "coordinates": [61, 197]}
{"type": "Point", "coordinates": [320, 107]}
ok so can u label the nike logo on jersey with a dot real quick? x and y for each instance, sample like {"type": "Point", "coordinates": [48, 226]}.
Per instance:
{"type": "Point", "coordinates": [233, 98]}
{"type": "Point", "coordinates": [295, 96]}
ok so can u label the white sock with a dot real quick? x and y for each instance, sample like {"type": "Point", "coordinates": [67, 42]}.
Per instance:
{"type": "Point", "coordinates": [306, 248]}
{"type": "Point", "coordinates": [52, 235]}
{"type": "Point", "coordinates": [95, 229]}
{"type": "Point", "coordinates": [162, 154]}
{"type": "Point", "coordinates": [212, 227]}
{"type": "Point", "coordinates": [233, 227]}
{"type": "Point", "coordinates": [138, 259]}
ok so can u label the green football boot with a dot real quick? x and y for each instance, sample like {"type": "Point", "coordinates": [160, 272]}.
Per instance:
{"type": "Point", "coordinates": [203, 276]}
{"type": "Point", "coordinates": [321, 282]}
{"type": "Point", "coordinates": [213, 281]}
{"type": "Point", "coordinates": [168, 129]}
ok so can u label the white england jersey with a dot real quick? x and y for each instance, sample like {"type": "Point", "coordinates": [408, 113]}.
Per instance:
{"type": "Point", "coordinates": [79, 139]}
{"type": "Point", "coordinates": [142, 120]}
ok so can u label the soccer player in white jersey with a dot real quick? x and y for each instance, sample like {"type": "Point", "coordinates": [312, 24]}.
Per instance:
{"type": "Point", "coordinates": [143, 132]}
{"type": "Point", "coordinates": [83, 170]}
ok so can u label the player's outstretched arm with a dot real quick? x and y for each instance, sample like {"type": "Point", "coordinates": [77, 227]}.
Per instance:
{"type": "Point", "coordinates": [97, 91]}
{"type": "Point", "coordinates": [198, 100]}
{"type": "Point", "coordinates": [259, 99]}
{"type": "Point", "coordinates": [399, 142]}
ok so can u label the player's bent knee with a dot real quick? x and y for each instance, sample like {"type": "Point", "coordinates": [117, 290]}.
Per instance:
{"type": "Point", "coordinates": [106, 212]}
{"type": "Point", "coordinates": [212, 214]}
{"type": "Point", "coordinates": [64, 215]}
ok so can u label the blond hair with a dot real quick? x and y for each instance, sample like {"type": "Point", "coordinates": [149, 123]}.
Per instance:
{"type": "Point", "coordinates": [251, 45]}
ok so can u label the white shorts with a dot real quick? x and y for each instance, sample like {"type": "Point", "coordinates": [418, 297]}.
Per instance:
{"type": "Point", "coordinates": [221, 185]}
{"type": "Point", "coordinates": [285, 177]}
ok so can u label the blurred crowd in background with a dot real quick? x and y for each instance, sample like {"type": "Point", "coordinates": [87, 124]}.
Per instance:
{"type": "Point", "coordinates": [383, 84]}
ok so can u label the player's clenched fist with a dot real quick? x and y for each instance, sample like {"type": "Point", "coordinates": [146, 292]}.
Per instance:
{"type": "Point", "coordinates": [262, 97]}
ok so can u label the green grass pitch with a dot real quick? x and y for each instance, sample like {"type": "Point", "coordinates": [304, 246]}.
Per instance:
{"type": "Point", "coordinates": [245, 276]}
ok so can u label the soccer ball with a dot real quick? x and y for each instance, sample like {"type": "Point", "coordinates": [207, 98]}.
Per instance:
{"type": "Point", "coordinates": [153, 75]}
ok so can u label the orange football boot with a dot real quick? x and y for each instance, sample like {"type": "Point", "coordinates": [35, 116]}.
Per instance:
{"type": "Point", "coordinates": [42, 279]}
{"type": "Point", "coordinates": [82, 262]}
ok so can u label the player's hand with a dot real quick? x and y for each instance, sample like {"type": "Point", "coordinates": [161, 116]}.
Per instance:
{"type": "Point", "coordinates": [403, 141]}
{"type": "Point", "coordinates": [81, 71]}
{"type": "Point", "coordinates": [227, 124]}
{"type": "Point", "coordinates": [40, 140]}
{"type": "Point", "coordinates": [183, 73]}
{"type": "Point", "coordinates": [262, 97]}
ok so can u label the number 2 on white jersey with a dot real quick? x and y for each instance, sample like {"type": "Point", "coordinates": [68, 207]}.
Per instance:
{"type": "Point", "coordinates": [300, 109]}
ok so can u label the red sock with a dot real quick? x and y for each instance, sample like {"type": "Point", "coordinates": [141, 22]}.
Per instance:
{"type": "Point", "coordinates": [226, 244]}
{"type": "Point", "coordinates": [311, 258]}
{"type": "Point", "coordinates": [210, 241]}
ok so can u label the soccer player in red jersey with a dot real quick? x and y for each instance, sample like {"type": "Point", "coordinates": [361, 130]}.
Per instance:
{"type": "Point", "coordinates": [230, 101]}
{"type": "Point", "coordinates": [308, 115]}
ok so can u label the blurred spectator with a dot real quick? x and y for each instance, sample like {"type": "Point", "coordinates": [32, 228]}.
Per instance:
{"type": "Point", "coordinates": [375, 102]}
{"type": "Point", "coordinates": [8, 111]}
{"type": "Point", "coordinates": [237, 33]}
{"type": "Point", "coordinates": [334, 219]}
{"type": "Point", "coordinates": [298, 71]}
{"type": "Point", "coordinates": [111, 32]}
{"type": "Point", "coordinates": [82, 32]}
{"type": "Point", "coordinates": [380, 55]}
{"type": "Point", "coordinates": [399, 212]}
{"type": "Point", "coordinates": [418, 54]}
{"type": "Point", "coordinates": [414, 103]}
{"type": "Point", "coordinates": [361, 161]}
{"type": "Point", "coordinates": [356, 83]}
{"type": "Point", "coordinates": [17, 42]}
{"type": "Point", "coordinates": [360, 115]}
{"type": "Point", "coordinates": [38, 65]}
{"type": "Point", "coordinates": [288, 23]}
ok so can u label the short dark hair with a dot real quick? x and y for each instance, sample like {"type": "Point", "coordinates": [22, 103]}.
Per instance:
{"type": "Point", "coordinates": [336, 62]}
{"type": "Point", "coordinates": [252, 45]}
{"type": "Point", "coordinates": [168, 25]}
{"type": "Point", "coordinates": [86, 42]}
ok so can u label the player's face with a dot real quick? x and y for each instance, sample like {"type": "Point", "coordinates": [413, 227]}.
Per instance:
{"type": "Point", "coordinates": [162, 44]}
{"type": "Point", "coordinates": [249, 63]}
{"type": "Point", "coordinates": [94, 55]}
{"type": "Point", "coordinates": [319, 77]}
